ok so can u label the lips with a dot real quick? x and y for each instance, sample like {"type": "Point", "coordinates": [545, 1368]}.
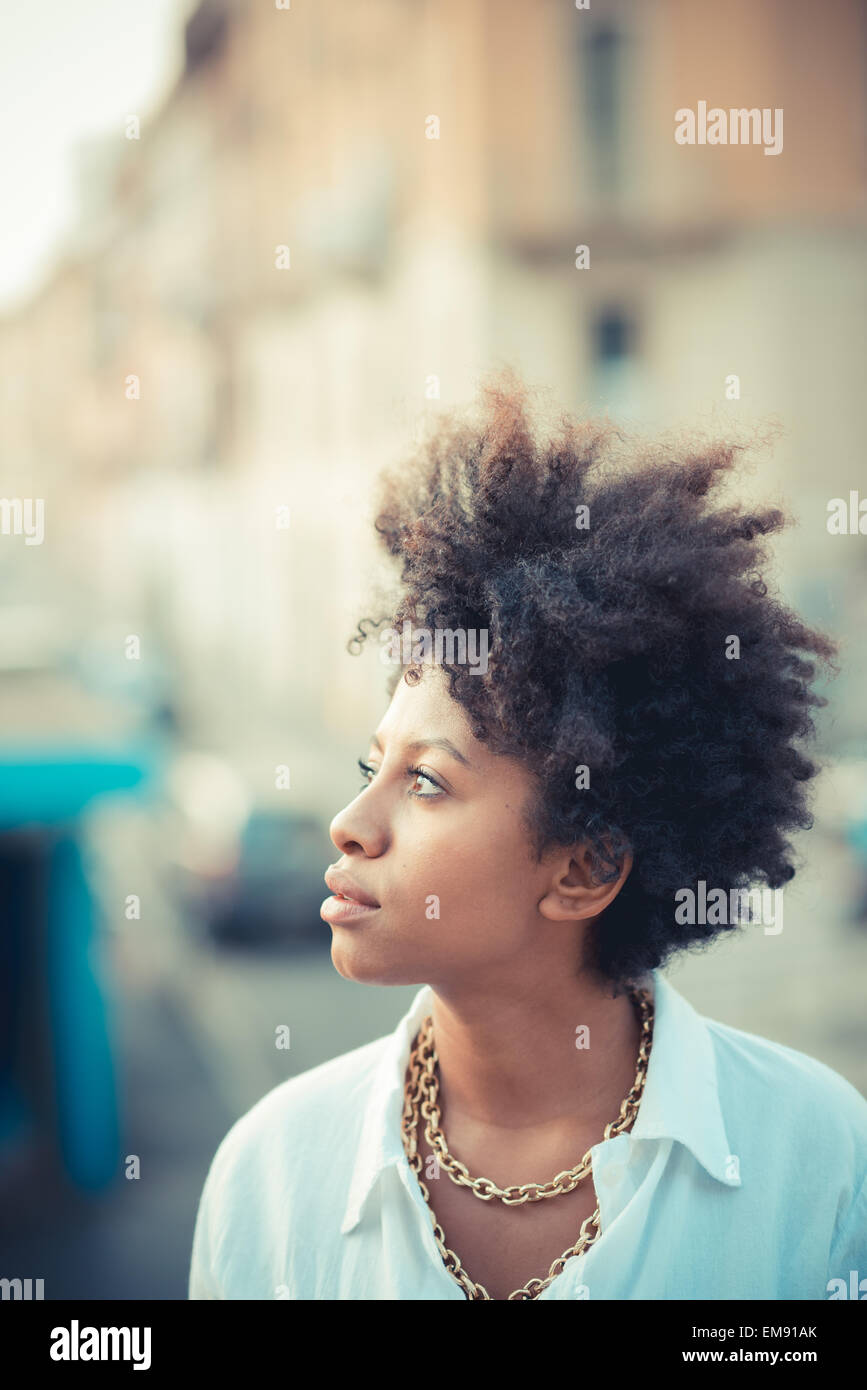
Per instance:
{"type": "Point", "coordinates": [344, 887]}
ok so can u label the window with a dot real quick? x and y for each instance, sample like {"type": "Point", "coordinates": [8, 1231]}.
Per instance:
{"type": "Point", "coordinates": [615, 363]}
{"type": "Point", "coordinates": [601, 77]}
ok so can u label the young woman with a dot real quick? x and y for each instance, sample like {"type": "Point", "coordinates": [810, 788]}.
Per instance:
{"type": "Point", "coordinates": [591, 751]}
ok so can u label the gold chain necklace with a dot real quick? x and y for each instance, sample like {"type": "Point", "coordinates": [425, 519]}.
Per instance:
{"type": "Point", "coordinates": [421, 1095]}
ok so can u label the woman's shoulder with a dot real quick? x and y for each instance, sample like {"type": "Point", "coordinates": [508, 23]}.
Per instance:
{"type": "Point", "coordinates": [304, 1118]}
{"type": "Point", "coordinates": [779, 1085]}
{"type": "Point", "coordinates": [280, 1169]}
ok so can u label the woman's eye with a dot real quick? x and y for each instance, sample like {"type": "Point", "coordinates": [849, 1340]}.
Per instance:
{"type": "Point", "coordinates": [432, 789]}
{"type": "Point", "coordinates": [367, 772]}
{"type": "Point", "coordinates": [424, 787]}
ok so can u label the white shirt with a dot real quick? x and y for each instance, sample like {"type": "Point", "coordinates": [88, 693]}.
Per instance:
{"type": "Point", "coordinates": [744, 1176]}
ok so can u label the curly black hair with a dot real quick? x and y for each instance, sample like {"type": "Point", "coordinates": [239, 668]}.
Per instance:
{"type": "Point", "coordinates": [611, 633]}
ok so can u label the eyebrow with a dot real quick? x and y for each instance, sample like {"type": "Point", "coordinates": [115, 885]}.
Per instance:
{"type": "Point", "coordinates": [420, 744]}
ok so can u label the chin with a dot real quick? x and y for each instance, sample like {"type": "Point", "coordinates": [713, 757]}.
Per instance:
{"type": "Point", "coordinates": [354, 961]}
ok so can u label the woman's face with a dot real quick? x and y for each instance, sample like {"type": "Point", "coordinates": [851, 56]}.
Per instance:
{"type": "Point", "coordinates": [436, 838]}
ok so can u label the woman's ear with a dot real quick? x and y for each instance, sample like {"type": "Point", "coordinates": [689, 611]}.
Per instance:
{"type": "Point", "coordinates": [573, 895]}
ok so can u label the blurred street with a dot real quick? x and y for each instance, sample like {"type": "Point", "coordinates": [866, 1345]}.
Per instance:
{"type": "Point", "coordinates": [257, 252]}
{"type": "Point", "coordinates": [194, 1046]}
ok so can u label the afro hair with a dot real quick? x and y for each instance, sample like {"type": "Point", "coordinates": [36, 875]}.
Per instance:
{"type": "Point", "coordinates": [632, 634]}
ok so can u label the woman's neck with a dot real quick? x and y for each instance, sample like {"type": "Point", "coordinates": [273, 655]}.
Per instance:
{"type": "Point", "coordinates": [518, 1057]}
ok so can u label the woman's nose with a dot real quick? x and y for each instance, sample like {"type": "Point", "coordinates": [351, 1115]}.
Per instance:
{"type": "Point", "coordinates": [359, 827]}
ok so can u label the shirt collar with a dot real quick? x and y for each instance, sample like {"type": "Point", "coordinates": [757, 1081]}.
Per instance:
{"type": "Point", "coordinates": [381, 1142]}
{"type": "Point", "coordinates": [680, 1101]}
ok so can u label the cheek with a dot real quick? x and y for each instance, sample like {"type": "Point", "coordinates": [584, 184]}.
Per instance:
{"type": "Point", "coordinates": [480, 872]}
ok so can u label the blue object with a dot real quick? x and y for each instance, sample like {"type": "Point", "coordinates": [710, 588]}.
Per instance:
{"type": "Point", "coordinates": [83, 1069]}
{"type": "Point", "coordinates": [48, 785]}
{"type": "Point", "coordinates": [45, 790]}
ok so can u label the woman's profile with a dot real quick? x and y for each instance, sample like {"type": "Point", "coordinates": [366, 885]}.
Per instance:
{"type": "Point", "coordinates": [594, 751]}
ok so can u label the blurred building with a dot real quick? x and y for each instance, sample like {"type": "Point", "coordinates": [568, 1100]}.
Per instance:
{"type": "Point", "coordinates": [340, 217]}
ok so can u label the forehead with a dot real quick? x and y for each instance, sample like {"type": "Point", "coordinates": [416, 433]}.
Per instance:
{"type": "Point", "coordinates": [427, 710]}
